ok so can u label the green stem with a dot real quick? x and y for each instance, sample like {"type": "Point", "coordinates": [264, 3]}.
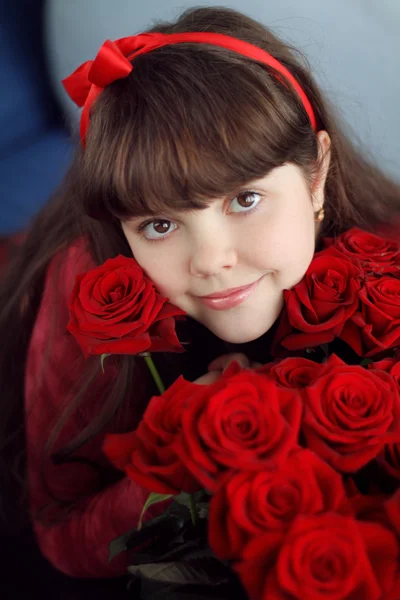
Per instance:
{"type": "Point", "coordinates": [154, 372]}
{"type": "Point", "coordinates": [193, 510]}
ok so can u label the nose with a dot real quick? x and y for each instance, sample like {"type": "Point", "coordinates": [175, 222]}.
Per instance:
{"type": "Point", "coordinates": [212, 256]}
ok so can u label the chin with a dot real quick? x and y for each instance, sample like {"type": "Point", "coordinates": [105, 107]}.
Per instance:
{"type": "Point", "coordinates": [238, 336]}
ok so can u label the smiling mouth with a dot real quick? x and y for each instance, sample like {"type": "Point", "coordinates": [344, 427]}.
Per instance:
{"type": "Point", "coordinates": [229, 298]}
{"type": "Point", "coordinates": [228, 292]}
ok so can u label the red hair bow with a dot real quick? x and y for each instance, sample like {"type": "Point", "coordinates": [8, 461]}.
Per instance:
{"type": "Point", "coordinates": [113, 62]}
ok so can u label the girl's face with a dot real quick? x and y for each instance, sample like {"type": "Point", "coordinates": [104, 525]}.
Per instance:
{"type": "Point", "coordinates": [264, 237]}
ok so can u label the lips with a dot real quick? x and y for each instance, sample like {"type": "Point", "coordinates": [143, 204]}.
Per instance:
{"type": "Point", "coordinates": [228, 292]}
{"type": "Point", "coordinates": [229, 298]}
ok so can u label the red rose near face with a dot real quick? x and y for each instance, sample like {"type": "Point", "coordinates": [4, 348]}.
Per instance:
{"type": "Point", "coordinates": [350, 414]}
{"type": "Point", "coordinates": [392, 511]}
{"type": "Point", "coordinates": [250, 504]}
{"type": "Point", "coordinates": [389, 460]}
{"type": "Point", "coordinates": [317, 308]}
{"type": "Point", "coordinates": [375, 327]}
{"type": "Point", "coordinates": [115, 308]}
{"type": "Point", "coordinates": [146, 454]}
{"type": "Point", "coordinates": [376, 253]}
{"type": "Point", "coordinates": [390, 365]}
{"type": "Point", "coordinates": [367, 507]}
{"type": "Point", "coordinates": [244, 421]}
{"type": "Point", "coordinates": [394, 593]}
{"type": "Point", "coordinates": [294, 372]}
{"type": "Point", "coordinates": [324, 556]}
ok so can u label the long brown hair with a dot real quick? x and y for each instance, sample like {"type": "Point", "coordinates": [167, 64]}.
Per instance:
{"type": "Point", "coordinates": [190, 123]}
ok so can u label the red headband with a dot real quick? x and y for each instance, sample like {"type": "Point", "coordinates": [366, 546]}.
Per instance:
{"type": "Point", "coordinates": [113, 62]}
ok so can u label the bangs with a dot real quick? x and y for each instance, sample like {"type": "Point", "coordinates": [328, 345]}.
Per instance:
{"type": "Point", "coordinates": [183, 129]}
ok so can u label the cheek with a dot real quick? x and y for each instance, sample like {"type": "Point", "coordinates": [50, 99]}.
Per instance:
{"type": "Point", "coordinates": [163, 263]}
{"type": "Point", "coordinates": [167, 286]}
{"type": "Point", "coordinates": [162, 269]}
{"type": "Point", "coordinates": [286, 244]}
{"type": "Point", "coordinates": [164, 278]}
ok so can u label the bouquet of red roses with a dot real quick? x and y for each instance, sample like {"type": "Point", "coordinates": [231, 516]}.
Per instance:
{"type": "Point", "coordinates": [282, 482]}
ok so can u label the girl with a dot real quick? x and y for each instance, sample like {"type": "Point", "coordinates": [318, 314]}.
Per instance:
{"type": "Point", "coordinates": [216, 169]}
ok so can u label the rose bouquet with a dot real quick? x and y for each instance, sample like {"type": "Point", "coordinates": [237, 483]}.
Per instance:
{"type": "Point", "coordinates": [281, 482]}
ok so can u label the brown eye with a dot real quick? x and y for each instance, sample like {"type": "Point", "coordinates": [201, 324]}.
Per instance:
{"type": "Point", "coordinates": [161, 226]}
{"type": "Point", "coordinates": [244, 200]}
{"type": "Point", "coordinates": [157, 229]}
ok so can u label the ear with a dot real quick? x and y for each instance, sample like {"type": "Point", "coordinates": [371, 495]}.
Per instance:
{"type": "Point", "coordinates": [324, 158]}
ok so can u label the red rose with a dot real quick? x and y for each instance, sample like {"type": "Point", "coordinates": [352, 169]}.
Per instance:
{"type": "Point", "coordinates": [376, 254]}
{"type": "Point", "coordinates": [350, 414]}
{"type": "Point", "coordinates": [115, 308]}
{"type": "Point", "coordinates": [323, 556]}
{"type": "Point", "coordinates": [390, 365]}
{"type": "Point", "coordinates": [367, 507]}
{"type": "Point", "coordinates": [146, 454]}
{"type": "Point", "coordinates": [389, 460]}
{"type": "Point", "coordinates": [394, 593]}
{"type": "Point", "coordinates": [252, 503]}
{"type": "Point", "coordinates": [244, 421]}
{"type": "Point", "coordinates": [392, 511]}
{"type": "Point", "coordinates": [375, 327]}
{"type": "Point", "coordinates": [294, 372]}
{"type": "Point", "coordinates": [317, 308]}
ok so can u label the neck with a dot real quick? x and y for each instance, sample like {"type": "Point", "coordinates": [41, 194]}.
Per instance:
{"type": "Point", "coordinates": [257, 350]}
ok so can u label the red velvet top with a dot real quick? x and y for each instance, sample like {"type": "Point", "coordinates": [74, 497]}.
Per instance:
{"type": "Point", "coordinates": [77, 546]}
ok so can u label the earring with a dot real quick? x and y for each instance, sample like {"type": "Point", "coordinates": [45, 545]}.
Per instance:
{"type": "Point", "coordinates": [320, 215]}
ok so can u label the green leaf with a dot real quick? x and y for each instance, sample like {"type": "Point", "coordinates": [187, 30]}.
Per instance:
{"type": "Point", "coordinates": [203, 508]}
{"type": "Point", "coordinates": [168, 524]}
{"type": "Point", "coordinates": [195, 571]}
{"type": "Point", "coordinates": [154, 498]}
{"type": "Point", "coordinates": [183, 498]}
{"type": "Point", "coordinates": [183, 547]}
{"type": "Point", "coordinates": [120, 544]}
{"type": "Point", "coordinates": [366, 361]}
{"type": "Point", "coordinates": [102, 357]}
{"type": "Point", "coordinates": [325, 348]}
